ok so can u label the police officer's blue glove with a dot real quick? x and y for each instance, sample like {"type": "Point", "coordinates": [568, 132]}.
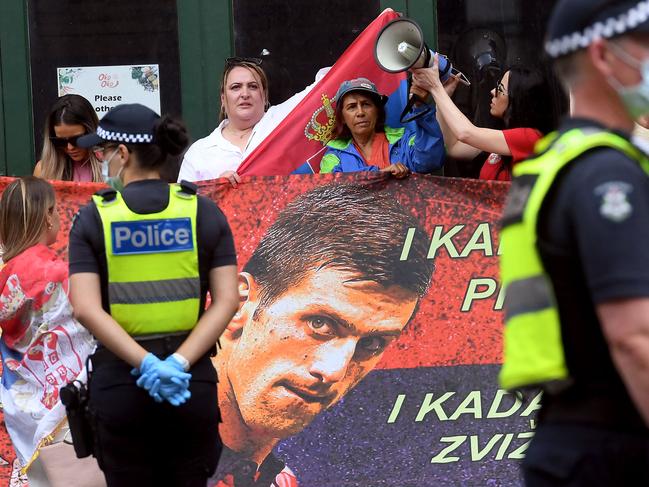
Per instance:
{"type": "Point", "coordinates": [148, 378]}
{"type": "Point", "coordinates": [147, 371]}
{"type": "Point", "coordinates": [166, 380]}
{"type": "Point", "coordinates": [147, 362]}
{"type": "Point", "coordinates": [177, 391]}
{"type": "Point", "coordinates": [144, 371]}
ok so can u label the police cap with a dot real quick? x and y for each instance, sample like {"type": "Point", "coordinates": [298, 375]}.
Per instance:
{"type": "Point", "coordinates": [575, 24]}
{"type": "Point", "coordinates": [129, 123]}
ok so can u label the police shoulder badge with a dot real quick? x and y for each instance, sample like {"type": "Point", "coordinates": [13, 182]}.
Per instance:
{"type": "Point", "coordinates": [615, 205]}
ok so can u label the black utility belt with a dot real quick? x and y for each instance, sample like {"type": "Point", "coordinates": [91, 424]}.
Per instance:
{"type": "Point", "coordinates": [160, 344]}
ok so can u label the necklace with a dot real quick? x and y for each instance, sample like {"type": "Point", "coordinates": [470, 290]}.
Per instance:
{"type": "Point", "coordinates": [81, 164]}
{"type": "Point", "coordinates": [241, 133]}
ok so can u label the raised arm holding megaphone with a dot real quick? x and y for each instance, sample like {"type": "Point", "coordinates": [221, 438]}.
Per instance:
{"type": "Point", "coordinates": [520, 99]}
{"type": "Point", "coordinates": [400, 46]}
{"type": "Point", "coordinates": [521, 104]}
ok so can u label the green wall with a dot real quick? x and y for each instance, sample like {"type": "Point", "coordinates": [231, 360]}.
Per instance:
{"type": "Point", "coordinates": [205, 40]}
{"type": "Point", "coordinates": [423, 11]}
{"type": "Point", "coordinates": [16, 133]}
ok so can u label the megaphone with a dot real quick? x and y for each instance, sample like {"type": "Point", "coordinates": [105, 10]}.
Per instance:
{"type": "Point", "coordinates": [400, 46]}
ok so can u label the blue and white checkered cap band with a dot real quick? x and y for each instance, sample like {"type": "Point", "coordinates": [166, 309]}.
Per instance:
{"type": "Point", "coordinates": [605, 29]}
{"type": "Point", "coordinates": [121, 137]}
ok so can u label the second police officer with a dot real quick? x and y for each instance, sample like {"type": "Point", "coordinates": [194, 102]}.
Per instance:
{"type": "Point", "coordinates": [575, 260]}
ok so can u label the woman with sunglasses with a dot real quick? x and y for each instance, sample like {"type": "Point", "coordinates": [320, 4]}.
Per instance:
{"type": "Point", "coordinates": [246, 119]}
{"type": "Point", "coordinates": [43, 346]}
{"type": "Point", "coordinates": [71, 117]}
{"type": "Point", "coordinates": [522, 100]}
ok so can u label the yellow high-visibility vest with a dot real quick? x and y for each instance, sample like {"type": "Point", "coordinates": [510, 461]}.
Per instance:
{"type": "Point", "coordinates": [533, 348]}
{"type": "Point", "coordinates": [152, 259]}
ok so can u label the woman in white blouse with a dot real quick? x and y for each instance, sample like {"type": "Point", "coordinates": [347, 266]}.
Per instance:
{"type": "Point", "coordinates": [246, 119]}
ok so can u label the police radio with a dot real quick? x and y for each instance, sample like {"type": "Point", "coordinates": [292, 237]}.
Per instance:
{"type": "Point", "coordinates": [74, 397]}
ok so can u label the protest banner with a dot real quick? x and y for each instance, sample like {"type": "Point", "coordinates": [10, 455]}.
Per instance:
{"type": "Point", "coordinates": [417, 407]}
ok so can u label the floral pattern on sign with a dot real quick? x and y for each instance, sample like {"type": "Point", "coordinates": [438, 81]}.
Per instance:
{"type": "Point", "coordinates": [66, 78]}
{"type": "Point", "coordinates": [147, 76]}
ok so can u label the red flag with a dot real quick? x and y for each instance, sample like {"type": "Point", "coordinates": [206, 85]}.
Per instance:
{"type": "Point", "coordinates": [302, 135]}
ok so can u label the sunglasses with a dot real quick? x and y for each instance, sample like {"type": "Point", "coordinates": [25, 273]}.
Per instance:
{"type": "Point", "coordinates": [238, 61]}
{"type": "Point", "coordinates": [64, 141]}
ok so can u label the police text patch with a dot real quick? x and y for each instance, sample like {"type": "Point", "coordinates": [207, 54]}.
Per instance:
{"type": "Point", "coordinates": [151, 236]}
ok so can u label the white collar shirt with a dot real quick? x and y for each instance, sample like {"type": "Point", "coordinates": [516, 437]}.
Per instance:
{"type": "Point", "coordinates": [213, 155]}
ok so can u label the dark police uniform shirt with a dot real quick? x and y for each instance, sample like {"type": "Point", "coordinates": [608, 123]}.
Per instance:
{"type": "Point", "coordinates": [87, 250]}
{"type": "Point", "coordinates": [594, 242]}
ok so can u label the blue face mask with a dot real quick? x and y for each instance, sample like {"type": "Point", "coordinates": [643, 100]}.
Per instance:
{"type": "Point", "coordinates": [635, 98]}
{"type": "Point", "coordinates": [114, 182]}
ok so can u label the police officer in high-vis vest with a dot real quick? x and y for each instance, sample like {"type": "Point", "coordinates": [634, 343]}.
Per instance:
{"type": "Point", "coordinates": [143, 255]}
{"type": "Point", "coordinates": [575, 258]}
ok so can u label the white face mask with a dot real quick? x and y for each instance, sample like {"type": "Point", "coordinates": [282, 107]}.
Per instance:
{"type": "Point", "coordinates": [113, 181]}
{"type": "Point", "coordinates": [635, 98]}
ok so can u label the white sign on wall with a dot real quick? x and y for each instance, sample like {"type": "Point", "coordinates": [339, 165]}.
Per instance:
{"type": "Point", "coordinates": [108, 86]}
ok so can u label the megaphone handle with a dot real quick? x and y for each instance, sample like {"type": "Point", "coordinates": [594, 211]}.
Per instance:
{"type": "Point", "coordinates": [447, 68]}
{"type": "Point", "coordinates": [408, 108]}
{"type": "Point", "coordinates": [461, 76]}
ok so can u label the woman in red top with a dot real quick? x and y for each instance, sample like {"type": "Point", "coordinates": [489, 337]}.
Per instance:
{"type": "Point", "coordinates": [522, 100]}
